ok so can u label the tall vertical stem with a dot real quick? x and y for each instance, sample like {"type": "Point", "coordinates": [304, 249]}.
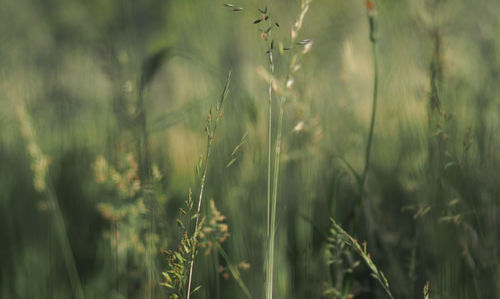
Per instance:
{"type": "Point", "coordinates": [373, 39]}
{"type": "Point", "coordinates": [210, 129]}
{"type": "Point", "coordinates": [374, 111]}
{"type": "Point", "coordinates": [272, 233]}
{"type": "Point", "coordinates": [269, 141]}
{"type": "Point", "coordinates": [198, 210]}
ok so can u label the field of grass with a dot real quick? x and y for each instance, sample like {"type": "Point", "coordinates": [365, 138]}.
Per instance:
{"type": "Point", "coordinates": [250, 149]}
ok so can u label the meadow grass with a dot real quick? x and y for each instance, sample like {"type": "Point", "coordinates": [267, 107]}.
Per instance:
{"type": "Point", "coordinates": [385, 132]}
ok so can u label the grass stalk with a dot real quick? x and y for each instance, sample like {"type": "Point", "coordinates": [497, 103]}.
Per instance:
{"type": "Point", "coordinates": [272, 235]}
{"type": "Point", "coordinates": [307, 43]}
{"type": "Point", "coordinates": [374, 111]}
{"type": "Point", "coordinates": [269, 141]}
{"type": "Point", "coordinates": [198, 210]}
{"type": "Point", "coordinates": [63, 239]}
{"type": "Point", "coordinates": [361, 249]}
{"type": "Point", "coordinates": [362, 178]}
{"type": "Point", "coordinates": [234, 271]}
{"type": "Point", "coordinates": [210, 129]}
{"type": "Point", "coordinates": [43, 185]}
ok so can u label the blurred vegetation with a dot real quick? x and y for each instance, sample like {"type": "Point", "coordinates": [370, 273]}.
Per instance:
{"type": "Point", "coordinates": [102, 115]}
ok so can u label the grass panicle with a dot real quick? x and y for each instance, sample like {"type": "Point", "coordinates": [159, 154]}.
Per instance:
{"type": "Point", "coordinates": [289, 82]}
{"type": "Point", "coordinates": [389, 130]}
{"type": "Point", "coordinates": [189, 243]}
{"type": "Point", "coordinates": [337, 233]}
{"type": "Point", "coordinates": [42, 184]}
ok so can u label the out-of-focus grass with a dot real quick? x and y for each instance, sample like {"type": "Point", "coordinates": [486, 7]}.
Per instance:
{"type": "Point", "coordinates": [67, 63]}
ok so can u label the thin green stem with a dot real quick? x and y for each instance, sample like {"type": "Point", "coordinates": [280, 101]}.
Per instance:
{"type": "Point", "coordinates": [64, 242]}
{"type": "Point", "coordinates": [233, 270]}
{"type": "Point", "coordinates": [374, 112]}
{"type": "Point", "coordinates": [361, 185]}
{"type": "Point", "coordinates": [198, 210]}
{"type": "Point", "coordinates": [43, 185]}
{"type": "Point", "coordinates": [272, 235]}
{"type": "Point", "coordinates": [271, 231]}
{"type": "Point", "coordinates": [269, 141]}
{"type": "Point", "coordinates": [210, 129]}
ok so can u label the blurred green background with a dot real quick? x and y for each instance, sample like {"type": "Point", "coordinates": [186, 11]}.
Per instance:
{"type": "Point", "coordinates": [70, 78]}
